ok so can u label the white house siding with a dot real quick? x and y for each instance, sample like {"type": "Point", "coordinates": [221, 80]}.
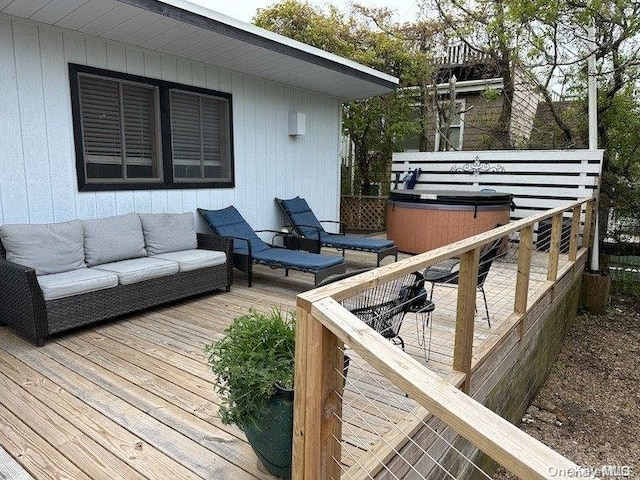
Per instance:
{"type": "Point", "coordinates": [38, 182]}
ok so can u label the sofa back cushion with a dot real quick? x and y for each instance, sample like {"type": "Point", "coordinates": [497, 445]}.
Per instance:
{"type": "Point", "coordinates": [168, 232]}
{"type": "Point", "coordinates": [113, 238]}
{"type": "Point", "coordinates": [47, 248]}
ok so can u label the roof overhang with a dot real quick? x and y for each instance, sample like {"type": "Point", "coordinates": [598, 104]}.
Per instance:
{"type": "Point", "coordinates": [178, 27]}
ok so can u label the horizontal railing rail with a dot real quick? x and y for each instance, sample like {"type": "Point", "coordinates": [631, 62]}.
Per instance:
{"type": "Point", "coordinates": [325, 326]}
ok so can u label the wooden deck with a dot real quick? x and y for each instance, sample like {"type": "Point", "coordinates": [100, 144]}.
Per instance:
{"type": "Point", "coordinates": [134, 398]}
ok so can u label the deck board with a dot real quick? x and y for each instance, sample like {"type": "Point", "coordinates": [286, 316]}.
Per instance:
{"type": "Point", "coordinates": [134, 398]}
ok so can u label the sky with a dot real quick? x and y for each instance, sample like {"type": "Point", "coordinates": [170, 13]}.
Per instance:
{"type": "Point", "coordinates": [245, 9]}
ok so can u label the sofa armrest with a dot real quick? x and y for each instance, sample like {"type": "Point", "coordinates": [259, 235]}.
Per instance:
{"type": "Point", "coordinates": [208, 241]}
{"type": "Point", "coordinates": [21, 302]}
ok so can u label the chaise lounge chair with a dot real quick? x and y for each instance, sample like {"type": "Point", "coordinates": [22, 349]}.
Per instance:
{"type": "Point", "coordinates": [306, 225]}
{"type": "Point", "coordinates": [248, 248]}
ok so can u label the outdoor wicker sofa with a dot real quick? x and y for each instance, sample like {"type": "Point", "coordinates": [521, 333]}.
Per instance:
{"type": "Point", "coordinates": [59, 276]}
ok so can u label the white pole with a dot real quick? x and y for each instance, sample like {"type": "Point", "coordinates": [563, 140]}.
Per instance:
{"type": "Point", "coordinates": [593, 134]}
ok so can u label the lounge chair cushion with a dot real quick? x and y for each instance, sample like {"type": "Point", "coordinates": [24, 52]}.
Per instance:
{"type": "Point", "coordinates": [139, 269]}
{"type": "Point", "coordinates": [111, 239]}
{"type": "Point", "coordinates": [75, 282]}
{"type": "Point", "coordinates": [355, 243]}
{"type": "Point", "coordinates": [168, 232]}
{"type": "Point", "coordinates": [303, 217]}
{"type": "Point", "coordinates": [47, 248]}
{"type": "Point", "coordinates": [228, 222]}
{"type": "Point", "coordinates": [188, 260]}
{"type": "Point", "coordinates": [297, 260]}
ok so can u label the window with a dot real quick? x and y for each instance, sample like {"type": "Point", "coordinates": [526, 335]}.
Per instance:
{"type": "Point", "coordinates": [456, 126]}
{"type": "Point", "coordinates": [133, 132]}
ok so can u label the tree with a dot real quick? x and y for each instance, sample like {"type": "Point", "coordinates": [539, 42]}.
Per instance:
{"type": "Point", "coordinates": [558, 39]}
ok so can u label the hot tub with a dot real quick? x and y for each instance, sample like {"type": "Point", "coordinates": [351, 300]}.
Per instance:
{"type": "Point", "coordinates": [421, 220]}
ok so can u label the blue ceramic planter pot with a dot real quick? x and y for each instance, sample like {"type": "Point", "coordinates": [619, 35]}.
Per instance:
{"type": "Point", "coordinates": [272, 439]}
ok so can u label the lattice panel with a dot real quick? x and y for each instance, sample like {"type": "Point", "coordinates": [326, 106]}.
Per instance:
{"type": "Point", "coordinates": [364, 213]}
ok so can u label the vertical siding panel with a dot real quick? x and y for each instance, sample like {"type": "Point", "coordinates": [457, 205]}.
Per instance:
{"type": "Point", "coordinates": [198, 75]}
{"type": "Point", "coordinates": [314, 158]}
{"type": "Point", "coordinates": [239, 134]}
{"type": "Point", "coordinates": [278, 134]}
{"type": "Point", "coordinates": [75, 51]}
{"type": "Point", "coordinates": [268, 151]}
{"type": "Point", "coordinates": [13, 187]}
{"type": "Point", "coordinates": [57, 112]}
{"type": "Point", "coordinates": [34, 141]}
{"type": "Point", "coordinates": [226, 85]}
{"type": "Point", "coordinates": [248, 170]}
{"type": "Point", "coordinates": [264, 191]}
{"type": "Point", "coordinates": [288, 153]}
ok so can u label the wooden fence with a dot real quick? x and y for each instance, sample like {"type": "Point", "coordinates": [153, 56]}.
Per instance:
{"type": "Point", "coordinates": [324, 326]}
{"type": "Point", "coordinates": [537, 179]}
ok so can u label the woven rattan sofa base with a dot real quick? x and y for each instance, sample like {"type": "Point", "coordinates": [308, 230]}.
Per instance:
{"type": "Point", "coordinates": [23, 308]}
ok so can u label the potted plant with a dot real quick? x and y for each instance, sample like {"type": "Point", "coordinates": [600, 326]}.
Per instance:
{"type": "Point", "coordinates": [254, 367]}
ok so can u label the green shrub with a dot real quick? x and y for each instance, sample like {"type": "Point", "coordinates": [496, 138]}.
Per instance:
{"type": "Point", "coordinates": [256, 354]}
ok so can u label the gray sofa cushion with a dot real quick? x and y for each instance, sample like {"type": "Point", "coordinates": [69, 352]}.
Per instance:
{"type": "Point", "coordinates": [168, 232]}
{"type": "Point", "coordinates": [139, 269]}
{"type": "Point", "coordinates": [47, 248]}
{"type": "Point", "coordinates": [113, 238]}
{"type": "Point", "coordinates": [75, 282]}
{"type": "Point", "coordinates": [194, 259]}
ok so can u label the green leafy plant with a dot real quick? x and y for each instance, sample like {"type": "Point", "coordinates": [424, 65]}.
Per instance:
{"type": "Point", "coordinates": [255, 356]}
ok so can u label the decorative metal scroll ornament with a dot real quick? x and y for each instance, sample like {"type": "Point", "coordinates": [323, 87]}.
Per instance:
{"type": "Point", "coordinates": [476, 167]}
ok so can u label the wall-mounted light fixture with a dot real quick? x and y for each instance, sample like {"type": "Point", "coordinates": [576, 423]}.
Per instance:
{"type": "Point", "coordinates": [297, 123]}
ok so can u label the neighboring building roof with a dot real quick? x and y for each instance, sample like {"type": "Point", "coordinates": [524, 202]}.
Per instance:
{"type": "Point", "coordinates": [181, 28]}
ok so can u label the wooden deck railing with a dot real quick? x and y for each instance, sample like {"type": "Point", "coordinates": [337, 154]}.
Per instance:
{"type": "Point", "coordinates": [324, 326]}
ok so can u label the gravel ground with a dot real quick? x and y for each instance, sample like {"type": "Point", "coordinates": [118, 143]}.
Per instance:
{"type": "Point", "coordinates": [589, 407]}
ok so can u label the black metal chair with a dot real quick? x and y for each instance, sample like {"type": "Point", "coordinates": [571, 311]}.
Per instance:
{"type": "Point", "coordinates": [385, 306]}
{"type": "Point", "coordinates": [446, 272]}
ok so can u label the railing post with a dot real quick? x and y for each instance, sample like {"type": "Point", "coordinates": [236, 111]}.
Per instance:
{"type": "Point", "coordinates": [467, 287]}
{"type": "Point", "coordinates": [554, 247]}
{"type": "Point", "coordinates": [588, 224]}
{"type": "Point", "coordinates": [573, 239]}
{"type": "Point", "coordinates": [317, 427]}
{"type": "Point", "coordinates": [525, 248]}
